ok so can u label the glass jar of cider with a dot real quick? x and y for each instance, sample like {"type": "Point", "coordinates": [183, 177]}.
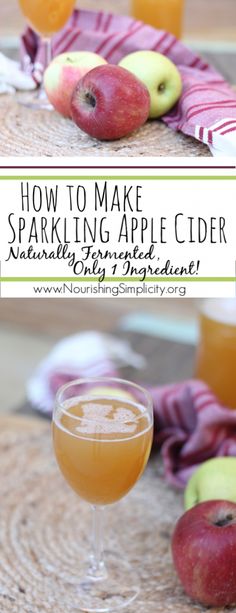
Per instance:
{"type": "Point", "coordinates": [216, 353]}
{"type": "Point", "coordinates": [161, 14]}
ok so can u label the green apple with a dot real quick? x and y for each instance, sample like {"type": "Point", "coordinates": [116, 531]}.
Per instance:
{"type": "Point", "coordinates": [215, 479]}
{"type": "Point", "coordinates": [114, 392]}
{"type": "Point", "coordinates": [160, 76]}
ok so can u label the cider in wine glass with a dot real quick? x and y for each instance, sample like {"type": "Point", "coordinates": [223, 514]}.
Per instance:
{"type": "Point", "coordinates": [47, 17]}
{"type": "Point", "coordinates": [216, 353]}
{"type": "Point", "coordinates": [102, 444]}
{"type": "Point", "coordinates": [162, 14]}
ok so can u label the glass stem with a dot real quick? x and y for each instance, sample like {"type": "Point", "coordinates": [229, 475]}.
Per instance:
{"type": "Point", "coordinates": [48, 51]}
{"type": "Point", "coordinates": [47, 45]}
{"type": "Point", "coordinates": [97, 569]}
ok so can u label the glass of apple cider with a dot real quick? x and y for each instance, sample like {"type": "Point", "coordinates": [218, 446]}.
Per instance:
{"type": "Point", "coordinates": [46, 18]}
{"type": "Point", "coordinates": [102, 434]}
{"type": "Point", "coordinates": [216, 352]}
{"type": "Point", "coordinates": [162, 14]}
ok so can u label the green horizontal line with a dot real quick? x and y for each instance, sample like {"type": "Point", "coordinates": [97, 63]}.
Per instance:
{"type": "Point", "coordinates": [116, 279]}
{"type": "Point", "coordinates": [119, 178]}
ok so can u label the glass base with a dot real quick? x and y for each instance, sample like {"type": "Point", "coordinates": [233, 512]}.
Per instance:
{"type": "Point", "coordinates": [114, 588]}
{"type": "Point", "coordinates": [37, 101]}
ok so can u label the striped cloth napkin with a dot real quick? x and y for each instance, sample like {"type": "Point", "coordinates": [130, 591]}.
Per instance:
{"type": "Point", "coordinates": [190, 425]}
{"type": "Point", "coordinates": [207, 108]}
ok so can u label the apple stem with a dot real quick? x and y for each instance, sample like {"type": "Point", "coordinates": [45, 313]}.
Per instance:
{"type": "Point", "coordinates": [161, 87]}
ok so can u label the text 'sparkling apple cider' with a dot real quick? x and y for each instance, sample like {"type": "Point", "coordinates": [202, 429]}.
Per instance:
{"type": "Point", "coordinates": [216, 354]}
{"type": "Point", "coordinates": [102, 446]}
{"type": "Point", "coordinates": [47, 16]}
{"type": "Point", "coordinates": [161, 14]}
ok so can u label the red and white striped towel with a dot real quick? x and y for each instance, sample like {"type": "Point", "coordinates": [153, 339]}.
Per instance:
{"type": "Point", "coordinates": [207, 108]}
{"type": "Point", "coordinates": [191, 426]}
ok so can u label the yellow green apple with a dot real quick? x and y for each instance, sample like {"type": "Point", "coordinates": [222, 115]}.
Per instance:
{"type": "Point", "coordinates": [215, 479]}
{"type": "Point", "coordinates": [161, 77]}
{"type": "Point", "coordinates": [114, 392]}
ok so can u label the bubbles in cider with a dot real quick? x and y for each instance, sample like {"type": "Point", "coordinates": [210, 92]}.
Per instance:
{"type": "Point", "coordinates": [102, 446]}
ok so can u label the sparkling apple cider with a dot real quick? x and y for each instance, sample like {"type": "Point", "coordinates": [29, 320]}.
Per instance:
{"type": "Point", "coordinates": [102, 446]}
{"type": "Point", "coordinates": [162, 14]}
{"type": "Point", "coordinates": [47, 17]}
{"type": "Point", "coordinates": [216, 355]}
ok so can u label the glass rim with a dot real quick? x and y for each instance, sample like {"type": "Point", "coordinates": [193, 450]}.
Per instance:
{"type": "Point", "coordinates": [102, 380]}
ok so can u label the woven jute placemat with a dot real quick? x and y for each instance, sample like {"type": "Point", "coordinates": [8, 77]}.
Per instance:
{"type": "Point", "coordinates": [45, 528]}
{"type": "Point", "coordinates": [36, 133]}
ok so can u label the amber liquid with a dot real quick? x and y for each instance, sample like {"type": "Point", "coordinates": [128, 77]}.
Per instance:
{"type": "Point", "coordinates": [216, 355]}
{"type": "Point", "coordinates": [162, 14]}
{"type": "Point", "coordinates": [47, 17]}
{"type": "Point", "coordinates": [103, 453]}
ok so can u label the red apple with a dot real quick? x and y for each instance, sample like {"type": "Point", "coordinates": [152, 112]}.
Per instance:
{"type": "Point", "coordinates": [63, 74]}
{"type": "Point", "coordinates": [109, 102]}
{"type": "Point", "coordinates": [204, 552]}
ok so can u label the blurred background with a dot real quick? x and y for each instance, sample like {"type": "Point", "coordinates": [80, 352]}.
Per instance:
{"type": "Point", "coordinates": [163, 331]}
{"type": "Point", "coordinates": [209, 27]}
{"type": "Point", "coordinates": [204, 19]}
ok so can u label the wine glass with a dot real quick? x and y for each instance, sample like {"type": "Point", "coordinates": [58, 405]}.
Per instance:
{"type": "Point", "coordinates": [102, 434]}
{"type": "Point", "coordinates": [45, 17]}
